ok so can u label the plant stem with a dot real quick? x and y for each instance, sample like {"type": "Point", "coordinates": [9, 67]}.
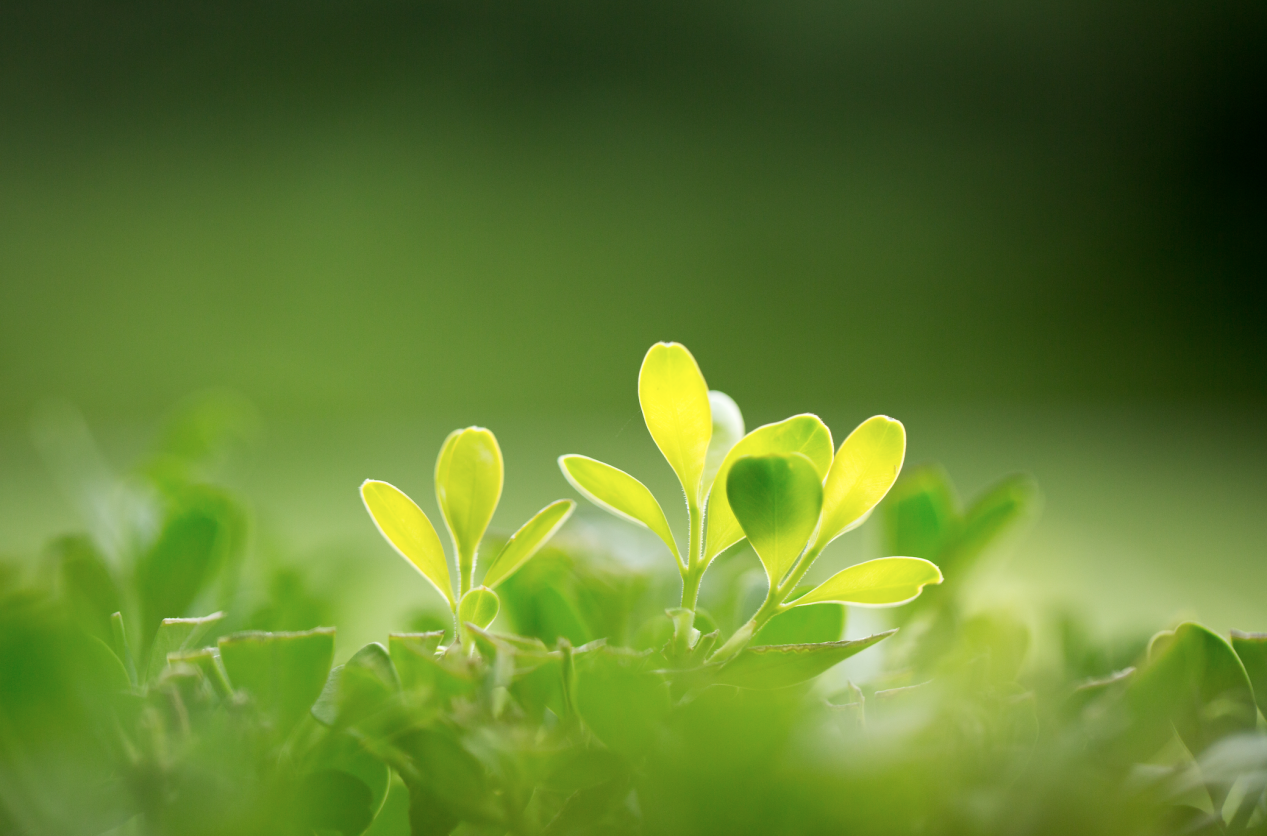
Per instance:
{"type": "Point", "coordinates": [692, 574]}
{"type": "Point", "coordinates": [772, 606]}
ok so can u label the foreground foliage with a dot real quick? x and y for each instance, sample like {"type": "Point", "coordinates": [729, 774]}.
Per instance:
{"type": "Point", "coordinates": [573, 691]}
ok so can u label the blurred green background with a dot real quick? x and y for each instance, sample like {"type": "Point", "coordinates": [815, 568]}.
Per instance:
{"type": "Point", "coordinates": [1032, 231]}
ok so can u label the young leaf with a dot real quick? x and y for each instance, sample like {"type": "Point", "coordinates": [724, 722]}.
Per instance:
{"type": "Point", "coordinates": [803, 625]}
{"type": "Point", "coordinates": [479, 607]}
{"type": "Point", "coordinates": [805, 434]}
{"type": "Point", "coordinates": [865, 467]}
{"type": "Point", "coordinates": [525, 542]}
{"type": "Point", "coordinates": [885, 582]}
{"type": "Point", "coordinates": [409, 532]}
{"type": "Point", "coordinates": [777, 500]}
{"type": "Point", "coordinates": [784, 665]}
{"type": "Point", "coordinates": [469, 475]}
{"type": "Point", "coordinates": [674, 399]}
{"type": "Point", "coordinates": [727, 431]}
{"type": "Point", "coordinates": [619, 493]}
{"type": "Point", "coordinates": [284, 672]}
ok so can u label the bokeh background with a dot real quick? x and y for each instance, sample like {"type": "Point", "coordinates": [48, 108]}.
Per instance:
{"type": "Point", "coordinates": [1032, 231]}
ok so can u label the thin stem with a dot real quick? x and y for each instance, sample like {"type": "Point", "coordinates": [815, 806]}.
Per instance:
{"type": "Point", "coordinates": [773, 605]}
{"type": "Point", "coordinates": [692, 574]}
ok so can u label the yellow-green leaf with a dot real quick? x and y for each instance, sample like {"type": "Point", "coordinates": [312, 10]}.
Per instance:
{"type": "Point", "coordinates": [865, 467]}
{"type": "Point", "coordinates": [777, 500]}
{"type": "Point", "coordinates": [469, 476]}
{"type": "Point", "coordinates": [674, 400]}
{"type": "Point", "coordinates": [727, 430]}
{"type": "Point", "coordinates": [805, 434]}
{"type": "Point", "coordinates": [886, 582]}
{"type": "Point", "coordinates": [619, 493]}
{"type": "Point", "coordinates": [409, 532]}
{"type": "Point", "coordinates": [479, 607]}
{"type": "Point", "coordinates": [525, 542]}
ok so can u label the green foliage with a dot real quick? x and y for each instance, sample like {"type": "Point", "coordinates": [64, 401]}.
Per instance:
{"type": "Point", "coordinates": [574, 698]}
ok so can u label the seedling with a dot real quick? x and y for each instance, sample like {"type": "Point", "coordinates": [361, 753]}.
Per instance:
{"type": "Point", "coordinates": [469, 475]}
{"type": "Point", "coordinates": [781, 486]}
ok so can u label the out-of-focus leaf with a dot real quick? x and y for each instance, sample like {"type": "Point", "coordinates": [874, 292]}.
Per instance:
{"type": "Point", "coordinates": [619, 493]}
{"type": "Point", "coordinates": [727, 431]}
{"type": "Point", "coordinates": [921, 514]}
{"type": "Point", "coordinates": [884, 582]}
{"type": "Point", "coordinates": [803, 625]}
{"type": "Point", "coordinates": [201, 534]}
{"type": "Point", "coordinates": [781, 666]}
{"type": "Point", "coordinates": [451, 780]}
{"type": "Point", "coordinates": [805, 434]}
{"type": "Point", "coordinates": [87, 584]}
{"type": "Point", "coordinates": [331, 800]}
{"type": "Point", "coordinates": [1195, 680]}
{"type": "Point", "coordinates": [1252, 650]}
{"type": "Point", "coordinates": [410, 533]}
{"type": "Point", "coordinates": [675, 405]}
{"type": "Point", "coordinates": [619, 698]}
{"type": "Point", "coordinates": [358, 689]}
{"type": "Point", "coordinates": [527, 541]}
{"type": "Point", "coordinates": [419, 669]}
{"type": "Point", "coordinates": [469, 476]}
{"type": "Point", "coordinates": [863, 470]}
{"type": "Point", "coordinates": [283, 672]}
{"type": "Point", "coordinates": [777, 500]}
{"type": "Point", "coordinates": [206, 660]}
{"type": "Point", "coordinates": [479, 606]}
{"type": "Point", "coordinates": [176, 634]}
{"type": "Point", "coordinates": [586, 807]}
{"type": "Point", "coordinates": [992, 513]}
{"type": "Point", "coordinates": [119, 644]}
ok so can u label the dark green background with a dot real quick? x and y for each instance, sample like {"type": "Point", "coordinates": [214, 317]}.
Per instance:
{"type": "Point", "coordinates": [1034, 231]}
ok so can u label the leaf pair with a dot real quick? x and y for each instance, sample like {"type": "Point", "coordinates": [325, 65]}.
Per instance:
{"type": "Point", "coordinates": [791, 504]}
{"type": "Point", "coordinates": [694, 429]}
{"type": "Point", "coordinates": [469, 475]}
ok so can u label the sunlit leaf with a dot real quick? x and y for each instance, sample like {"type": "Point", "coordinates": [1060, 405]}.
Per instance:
{"type": "Point", "coordinates": [411, 534]}
{"type": "Point", "coordinates": [865, 467]}
{"type": "Point", "coordinates": [469, 475]}
{"type": "Point", "coordinates": [777, 500]}
{"type": "Point", "coordinates": [479, 606]}
{"type": "Point", "coordinates": [283, 672]}
{"type": "Point", "coordinates": [805, 434]}
{"type": "Point", "coordinates": [675, 405]}
{"type": "Point", "coordinates": [525, 542]}
{"type": "Point", "coordinates": [784, 665]}
{"type": "Point", "coordinates": [616, 491]}
{"type": "Point", "coordinates": [727, 431]}
{"type": "Point", "coordinates": [884, 582]}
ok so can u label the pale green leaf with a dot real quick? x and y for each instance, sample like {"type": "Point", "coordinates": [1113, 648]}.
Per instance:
{"type": "Point", "coordinates": [865, 467]}
{"type": "Point", "coordinates": [479, 607]}
{"type": "Point", "coordinates": [176, 634]}
{"type": "Point", "coordinates": [675, 405]}
{"type": "Point", "coordinates": [409, 532]}
{"type": "Point", "coordinates": [526, 542]}
{"type": "Point", "coordinates": [777, 500]}
{"type": "Point", "coordinates": [469, 476]}
{"type": "Point", "coordinates": [805, 434]}
{"type": "Point", "coordinates": [616, 491]}
{"type": "Point", "coordinates": [727, 431]}
{"type": "Point", "coordinates": [784, 665]}
{"type": "Point", "coordinates": [885, 582]}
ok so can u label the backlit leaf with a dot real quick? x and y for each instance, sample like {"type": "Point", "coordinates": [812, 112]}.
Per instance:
{"type": "Point", "coordinates": [469, 475]}
{"type": "Point", "coordinates": [283, 672]}
{"type": "Point", "coordinates": [784, 665]}
{"type": "Point", "coordinates": [885, 582]}
{"type": "Point", "coordinates": [674, 399]}
{"type": "Point", "coordinates": [805, 434]}
{"type": "Point", "coordinates": [777, 500]}
{"type": "Point", "coordinates": [525, 542]}
{"type": "Point", "coordinates": [479, 606]}
{"type": "Point", "coordinates": [865, 467]}
{"type": "Point", "coordinates": [411, 534]}
{"type": "Point", "coordinates": [616, 491]}
{"type": "Point", "coordinates": [727, 431]}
